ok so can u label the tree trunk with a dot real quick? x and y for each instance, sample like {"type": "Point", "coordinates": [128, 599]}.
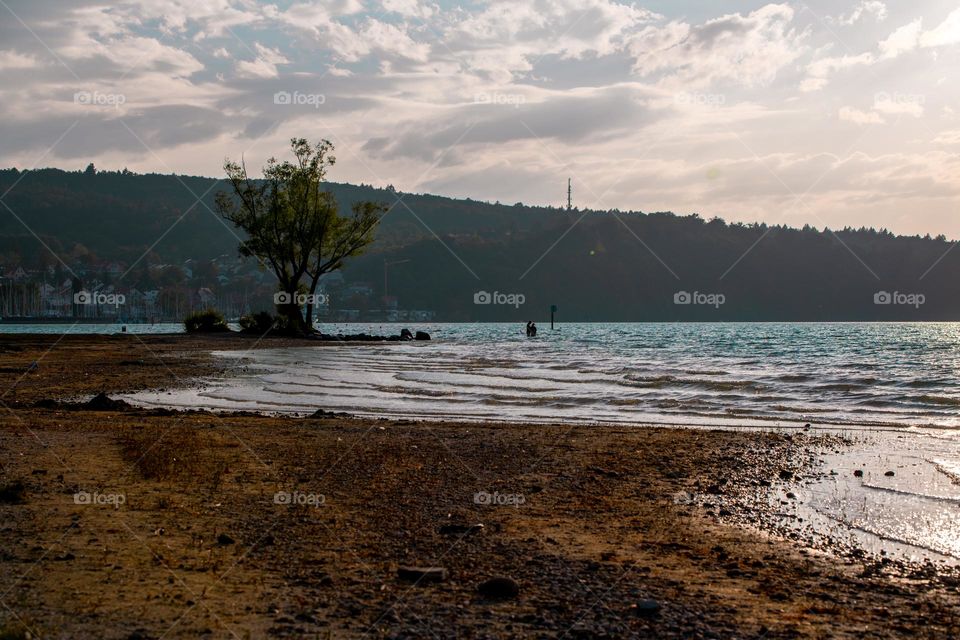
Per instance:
{"type": "Point", "coordinates": [310, 301]}
{"type": "Point", "coordinates": [294, 316]}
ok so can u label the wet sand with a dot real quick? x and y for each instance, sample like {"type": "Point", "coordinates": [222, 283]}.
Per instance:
{"type": "Point", "coordinates": [126, 523]}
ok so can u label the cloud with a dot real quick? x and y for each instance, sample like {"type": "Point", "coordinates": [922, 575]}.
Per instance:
{"type": "Point", "coordinates": [746, 49]}
{"type": "Point", "coordinates": [411, 8]}
{"type": "Point", "coordinates": [850, 114]}
{"type": "Point", "coordinates": [866, 8]}
{"type": "Point", "coordinates": [950, 138]}
{"type": "Point", "coordinates": [265, 64]}
{"type": "Point", "coordinates": [904, 39]}
{"type": "Point", "coordinates": [14, 60]}
{"type": "Point", "coordinates": [947, 33]}
{"type": "Point", "coordinates": [820, 71]}
{"type": "Point", "coordinates": [589, 115]}
{"type": "Point", "coordinates": [911, 36]}
{"type": "Point", "coordinates": [507, 37]}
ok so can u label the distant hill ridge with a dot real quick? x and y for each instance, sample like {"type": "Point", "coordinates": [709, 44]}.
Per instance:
{"type": "Point", "coordinates": [594, 265]}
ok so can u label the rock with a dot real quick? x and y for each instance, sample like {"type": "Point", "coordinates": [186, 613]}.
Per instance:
{"type": "Point", "coordinates": [500, 588]}
{"type": "Point", "coordinates": [460, 529]}
{"type": "Point", "coordinates": [405, 334]}
{"type": "Point", "coordinates": [103, 402]}
{"type": "Point", "coordinates": [320, 413]}
{"type": "Point", "coordinates": [858, 473]}
{"type": "Point", "coordinates": [13, 493]}
{"type": "Point", "coordinates": [791, 495]}
{"type": "Point", "coordinates": [714, 490]}
{"type": "Point", "coordinates": [422, 575]}
{"type": "Point", "coordinates": [224, 540]}
{"type": "Point", "coordinates": [786, 475]}
{"type": "Point", "coordinates": [890, 474]}
{"type": "Point", "coordinates": [646, 608]}
{"type": "Point", "coordinates": [610, 473]}
{"type": "Point", "coordinates": [422, 335]}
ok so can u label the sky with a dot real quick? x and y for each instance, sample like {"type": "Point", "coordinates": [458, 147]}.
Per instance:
{"type": "Point", "coordinates": [828, 112]}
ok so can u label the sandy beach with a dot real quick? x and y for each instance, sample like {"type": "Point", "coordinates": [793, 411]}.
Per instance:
{"type": "Point", "coordinates": [131, 523]}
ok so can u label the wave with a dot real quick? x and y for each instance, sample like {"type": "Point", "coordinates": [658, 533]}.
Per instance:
{"type": "Point", "coordinates": [940, 400]}
{"type": "Point", "coordinates": [796, 377]}
{"type": "Point", "coordinates": [904, 492]}
{"type": "Point", "coordinates": [658, 382]}
{"type": "Point", "coordinates": [951, 470]}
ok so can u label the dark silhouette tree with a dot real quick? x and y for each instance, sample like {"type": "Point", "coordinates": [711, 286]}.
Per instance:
{"type": "Point", "coordinates": [293, 224]}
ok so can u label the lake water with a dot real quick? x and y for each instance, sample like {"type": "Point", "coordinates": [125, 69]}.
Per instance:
{"type": "Point", "coordinates": [902, 375]}
{"type": "Point", "coordinates": [893, 388]}
{"type": "Point", "coordinates": [85, 328]}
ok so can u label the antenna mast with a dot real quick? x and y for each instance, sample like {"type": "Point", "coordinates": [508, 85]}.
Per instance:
{"type": "Point", "coordinates": [569, 196]}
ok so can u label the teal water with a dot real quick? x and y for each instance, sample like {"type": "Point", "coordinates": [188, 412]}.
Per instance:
{"type": "Point", "coordinates": [899, 375]}
{"type": "Point", "coordinates": [104, 328]}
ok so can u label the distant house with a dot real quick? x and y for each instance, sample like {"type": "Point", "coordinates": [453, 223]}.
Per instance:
{"type": "Point", "coordinates": [360, 290]}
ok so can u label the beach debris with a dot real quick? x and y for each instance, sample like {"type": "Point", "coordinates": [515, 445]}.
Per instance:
{"type": "Point", "coordinates": [890, 474]}
{"type": "Point", "coordinates": [714, 490]}
{"type": "Point", "coordinates": [858, 473]}
{"type": "Point", "coordinates": [320, 413]}
{"type": "Point", "coordinates": [646, 608]}
{"type": "Point", "coordinates": [610, 473]}
{"type": "Point", "coordinates": [499, 588]}
{"type": "Point", "coordinates": [103, 402]}
{"type": "Point", "coordinates": [421, 575]}
{"type": "Point", "coordinates": [224, 540]}
{"type": "Point", "coordinates": [460, 529]}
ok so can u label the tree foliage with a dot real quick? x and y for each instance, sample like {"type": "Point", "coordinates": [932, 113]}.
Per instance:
{"type": "Point", "coordinates": [293, 225]}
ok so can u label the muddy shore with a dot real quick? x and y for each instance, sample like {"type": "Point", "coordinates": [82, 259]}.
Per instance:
{"type": "Point", "coordinates": [126, 523]}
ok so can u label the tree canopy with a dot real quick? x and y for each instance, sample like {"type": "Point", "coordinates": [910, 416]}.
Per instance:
{"type": "Point", "coordinates": [293, 225]}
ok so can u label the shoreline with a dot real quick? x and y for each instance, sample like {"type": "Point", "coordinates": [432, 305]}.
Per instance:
{"type": "Point", "coordinates": [601, 529]}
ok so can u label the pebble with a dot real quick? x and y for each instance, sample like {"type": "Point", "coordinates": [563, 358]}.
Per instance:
{"type": "Point", "coordinates": [500, 588]}
{"type": "Point", "coordinates": [422, 575]}
{"type": "Point", "coordinates": [647, 608]}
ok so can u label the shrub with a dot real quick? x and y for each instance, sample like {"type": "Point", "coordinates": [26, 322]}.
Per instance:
{"type": "Point", "coordinates": [258, 323]}
{"type": "Point", "coordinates": [208, 321]}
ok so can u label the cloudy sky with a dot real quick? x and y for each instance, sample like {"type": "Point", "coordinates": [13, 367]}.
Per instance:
{"type": "Point", "coordinates": [827, 112]}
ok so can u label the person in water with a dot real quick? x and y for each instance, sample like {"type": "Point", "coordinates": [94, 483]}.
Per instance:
{"type": "Point", "coordinates": [531, 329]}
{"type": "Point", "coordinates": [529, 324]}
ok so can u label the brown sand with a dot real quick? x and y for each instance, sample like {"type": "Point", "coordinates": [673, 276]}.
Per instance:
{"type": "Point", "coordinates": [200, 546]}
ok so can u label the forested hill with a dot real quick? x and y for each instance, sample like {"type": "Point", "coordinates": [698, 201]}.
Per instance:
{"type": "Point", "coordinates": [119, 215]}
{"type": "Point", "coordinates": [593, 265]}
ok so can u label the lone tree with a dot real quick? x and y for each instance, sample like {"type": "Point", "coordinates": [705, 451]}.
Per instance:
{"type": "Point", "coordinates": [293, 225]}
